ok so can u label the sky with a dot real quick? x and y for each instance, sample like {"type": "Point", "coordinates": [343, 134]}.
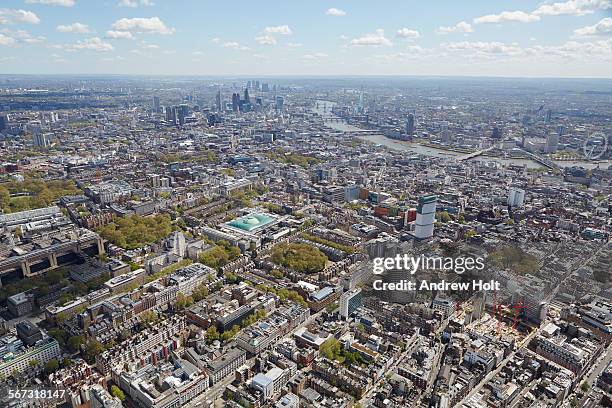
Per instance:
{"type": "Point", "coordinates": [509, 38]}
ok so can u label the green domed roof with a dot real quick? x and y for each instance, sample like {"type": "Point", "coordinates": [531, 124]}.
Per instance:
{"type": "Point", "coordinates": [251, 222]}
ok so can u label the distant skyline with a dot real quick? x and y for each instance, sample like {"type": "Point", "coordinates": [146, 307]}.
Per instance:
{"type": "Point", "coordinates": [347, 37]}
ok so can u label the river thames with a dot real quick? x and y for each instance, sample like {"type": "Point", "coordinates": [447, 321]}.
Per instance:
{"type": "Point", "coordinates": [324, 108]}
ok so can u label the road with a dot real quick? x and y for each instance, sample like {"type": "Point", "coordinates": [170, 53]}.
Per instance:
{"type": "Point", "coordinates": [599, 366]}
{"type": "Point", "coordinates": [211, 394]}
{"type": "Point", "coordinates": [493, 373]}
{"type": "Point", "coordinates": [526, 389]}
{"type": "Point", "coordinates": [592, 375]}
{"type": "Point", "coordinates": [531, 335]}
{"type": "Point", "coordinates": [572, 269]}
{"type": "Point", "coordinates": [365, 399]}
{"type": "Point", "coordinates": [216, 391]}
{"type": "Point", "coordinates": [435, 367]}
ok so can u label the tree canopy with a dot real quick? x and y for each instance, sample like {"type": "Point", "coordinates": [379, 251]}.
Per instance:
{"type": "Point", "coordinates": [117, 392]}
{"type": "Point", "coordinates": [38, 193]}
{"type": "Point", "coordinates": [51, 366]}
{"type": "Point", "coordinates": [299, 257]}
{"type": "Point", "coordinates": [219, 255]}
{"type": "Point", "coordinates": [515, 258]}
{"type": "Point", "coordinates": [135, 231]}
{"type": "Point", "coordinates": [333, 350]}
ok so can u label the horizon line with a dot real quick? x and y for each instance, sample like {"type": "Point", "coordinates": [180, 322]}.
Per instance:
{"type": "Point", "coordinates": [299, 76]}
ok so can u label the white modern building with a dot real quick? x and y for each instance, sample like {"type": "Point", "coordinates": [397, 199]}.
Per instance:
{"type": "Point", "coordinates": [516, 197]}
{"type": "Point", "coordinates": [270, 383]}
{"type": "Point", "coordinates": [426, 216]}
{"type": "Point", "coordinates": [18, 361]}
{"type": "Point", "coordinates": [350, 301]}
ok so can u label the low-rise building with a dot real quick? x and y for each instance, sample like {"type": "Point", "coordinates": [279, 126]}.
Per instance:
{"type": "Point", "coordinates": [19, 360]}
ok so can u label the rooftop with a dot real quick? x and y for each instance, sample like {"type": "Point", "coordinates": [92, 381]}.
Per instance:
{"type": "Point", "coordinates": [251, 222]}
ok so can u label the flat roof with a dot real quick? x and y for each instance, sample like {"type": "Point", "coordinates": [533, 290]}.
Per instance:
{"type": "Point", "coordinates": [427, 199]}
{"type": "Point", "coordinates": [323, 293]}
{"type": "Point", "coordinates": [262, 380]}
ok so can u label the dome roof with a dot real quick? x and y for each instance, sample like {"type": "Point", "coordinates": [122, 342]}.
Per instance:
{"type": "Point", "coordinates": [251, 221]}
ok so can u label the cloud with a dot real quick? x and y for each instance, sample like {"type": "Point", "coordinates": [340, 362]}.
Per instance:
{"type": "Point", "coordinates": [119, 35]}
{"type": "Point", "coordinates": [215, 40]}
{"type": "Point", "coordinates": [234, 46]}
{"type": "Point", "coordinates": [6, 41]}
{"type": "Point", "coordinates": [13, 16]}
{"type": "Point", "coordinates": [266, 39]}
{"type": "Point", "coordinates": [414, 52]}
{"type": "Point", "coordinates": [281, 29]}
{"type": "Point", "coordinates": [572, 7]}
{"type": "Point", "coordinates": [135, 3]}
{"type": "Point", "coordinates": [151, 25]}
{"type": "Point", "coordinates": [335, 12]}
{"type": "Point", "coordinates": [293, 45]}
{"type": "Point", "coordinates": [93, 44]}
{"type": "Point", "coordinates": [460, 27]}
{"type": "Point", "coordinates": [22, 36]}
{"type": "Point", "coordinates": [58, 59]}
{"type": "Point", "coordinates": [113, 58]}
{"type": "Point", "coordinates": [375, 39]}
{"type": "Point", "coordinates": [314, 57]}
{"type": "Point", "coordinates": [268, 35]}
{"type": "Point", "coordinates": [504, 16]}
{"type": "Point", "coordinates": [603, 27]}
{"type": "Point", "coordinates": [63, 3]}
{"type": "Point", "coordinates": [197, 53]}
{"type": "Point", "coordinates": [482, 47]}
{"type": "Point", "coordinates": [77, 28]}
{"type": "Point", "coordinates": [574, 50]}
{"type": "Point", "coordinates": [407, 33]}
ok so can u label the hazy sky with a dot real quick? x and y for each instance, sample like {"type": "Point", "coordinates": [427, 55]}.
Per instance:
{"type": "Point", "coordinates": [307, 37]}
